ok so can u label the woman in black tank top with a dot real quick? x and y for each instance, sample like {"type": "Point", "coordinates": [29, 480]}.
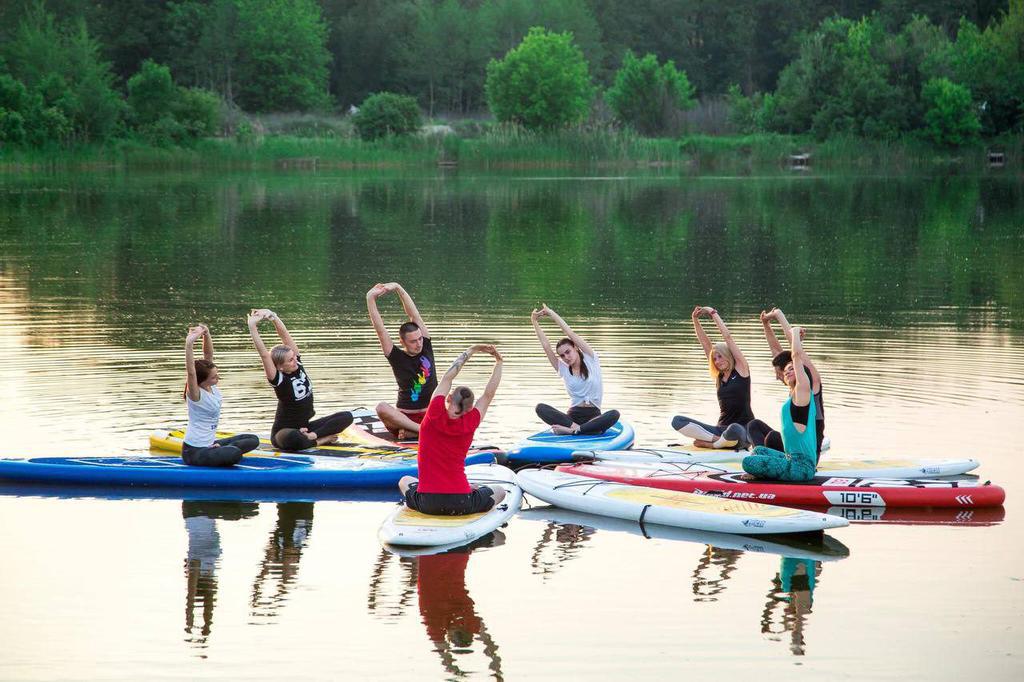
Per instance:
{"type": "Point", "coordinates": [731, 373]}
{"type": "Point", "coordinates": [294, 427]}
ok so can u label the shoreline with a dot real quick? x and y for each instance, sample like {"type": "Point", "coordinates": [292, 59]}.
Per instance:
{"type": "Point", "coordinates": [691, 154]}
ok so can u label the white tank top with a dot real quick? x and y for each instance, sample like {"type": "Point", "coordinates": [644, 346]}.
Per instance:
{"type": "Point", "coordinates": [582, 390]}
{"type": "Point", "coordinates": [203, 417]}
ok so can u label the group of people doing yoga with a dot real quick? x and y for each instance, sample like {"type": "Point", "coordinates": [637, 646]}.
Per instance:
{"type": "Point", "coordinates": [788, 454]}
{"type": "Point", "coordinates": [442, 418]}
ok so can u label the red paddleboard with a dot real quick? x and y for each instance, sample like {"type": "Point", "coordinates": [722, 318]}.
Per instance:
{"type": "Point", "coordinates": [821, 491]}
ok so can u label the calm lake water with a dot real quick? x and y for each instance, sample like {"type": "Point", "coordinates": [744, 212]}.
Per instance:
{"type": "Point", "coordinates": [911, 289]}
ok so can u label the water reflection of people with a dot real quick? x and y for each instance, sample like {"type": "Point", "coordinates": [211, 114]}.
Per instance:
{"type": "Point", "coordinates": [714, 558]}
{"type": "Point", "coordinates": [281, 559]}
{"type": "Point", "coordinates": [567, 539]}
{"type": "Point", "coordinates": [448, 612]}
{"type": "Point", "coordinates": [793, 593]}
{"type": "Point", "coordinates": [203, 557]}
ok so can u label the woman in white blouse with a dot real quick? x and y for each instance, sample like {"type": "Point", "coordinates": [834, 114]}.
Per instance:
{"type": "Point", "coordinates": [580, 369]}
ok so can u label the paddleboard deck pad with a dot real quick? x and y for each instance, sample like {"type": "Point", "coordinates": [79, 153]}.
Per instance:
{"type": "Point", "coordinates": [281, 471]}
{"type": "Point", "coordinates": [546, 447]}
{"type": "Point", "coordinates": [367, 430]}
{"type": "Point", "coordinates": [730, 460]}
{"type": "Point", "coordinates": [820, 491]}
{"type": "Point", "coordinates": [407, 527]}
{"type": "Point", "coordinates": [671, 508]}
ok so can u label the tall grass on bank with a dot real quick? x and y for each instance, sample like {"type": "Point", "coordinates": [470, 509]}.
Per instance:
{"type": "Point", "coordinates": [764, 151]}
{"type": "Point", "coordinates": [498, 147]}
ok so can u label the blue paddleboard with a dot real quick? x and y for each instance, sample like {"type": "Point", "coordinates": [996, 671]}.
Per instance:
{"type": "Point", "coordinates": [283, 471]}
{"type": "Point", "coordinates": [547, 447]}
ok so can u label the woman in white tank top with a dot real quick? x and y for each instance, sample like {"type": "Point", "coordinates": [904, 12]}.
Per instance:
{"type": "Point", "coordinates": [200, 447]}
{"type": "Point", "coordinates": [580, 368]}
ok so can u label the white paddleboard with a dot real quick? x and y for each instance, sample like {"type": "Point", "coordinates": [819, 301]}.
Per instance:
{"type": "Point", "coordinates": [730, 460]}
{"type": "Point", "coordinates": [404, 526]}
{"type": "Point", "coordinates": [671, 508]}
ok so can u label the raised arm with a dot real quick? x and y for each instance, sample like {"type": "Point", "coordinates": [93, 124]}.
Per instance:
{"type": "Point", "coordinates": [254, 319]}
{"type": "Point", "coordinates": [444, 386]}
{"type": "Point", "coordinates": [802, 394]}
{"type": "Point", "coordinates": [769, 333]}
{"type": "Point", "coordinates": [806, 359]}
{"type": "Point", "coordinates": [409, 306]}
{"type": "Point", "coordinates": [702, 336]}
{"type": "Point", "coordinates": [543, 338]}
{"type": "Point", "coordinates": [741, 362]}
{"type": "Point", "coordinates": [386, 344]}
{"type": "Point", "coordinates": [580, 342]}
{"type": "Point", "coordinates": [492, 384]}
{"type": "Point", "coordinates": [191, 382]}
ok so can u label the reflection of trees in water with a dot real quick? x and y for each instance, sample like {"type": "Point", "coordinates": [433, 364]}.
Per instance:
{"type": "Point", "coordinates": [202, 559]}
{"type": "Point", "coordinates": [720, 561]}
{"type": "Point", "coordinates": [447, 610]}
{"type": "Point", "coordinates": [558, 544]}
{"type": "Point", "coordinates": [281, 558]}
{"type": "Point", "coordinates": [382, 602]}
{"type": "Point", "coordinates": [947, 239]}
{"type": "Point", "coordinates": [790, 600]}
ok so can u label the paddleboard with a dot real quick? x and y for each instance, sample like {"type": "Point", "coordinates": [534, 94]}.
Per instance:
{"type": "Point", "coordinates": [546, 447]}
{"type": "Point", "coordinates": [282, 471]}
{"type": "Point", "coordinates": [671, 508]}
{"type": "Point", "coordinates": [676, 460]}
{"type": "Point", "coordinates": [404, 526]}
{"type": "Point", "coordinates": [821, 490]}
{"type": "Point", "coordinates": [818, 547]}
{"type": "Point", "coordinates": [129, 492]}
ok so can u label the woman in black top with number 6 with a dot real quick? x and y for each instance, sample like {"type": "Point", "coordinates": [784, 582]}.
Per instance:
{"type": "Point", "coordinates": [293, 428]}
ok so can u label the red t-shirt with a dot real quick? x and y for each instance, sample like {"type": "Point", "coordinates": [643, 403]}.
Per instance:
{"type": "Point", "coordinates": [444, 443]}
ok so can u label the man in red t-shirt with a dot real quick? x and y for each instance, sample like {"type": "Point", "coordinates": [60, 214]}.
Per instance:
{"type": "Point", "coordinates": [445, 436]}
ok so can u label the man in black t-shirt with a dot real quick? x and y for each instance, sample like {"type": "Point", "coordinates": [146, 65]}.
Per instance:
{"type": "Point", "coordinates": [412, 364]}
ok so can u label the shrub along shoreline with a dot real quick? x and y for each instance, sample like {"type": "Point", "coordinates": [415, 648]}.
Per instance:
{"type": "Point", "coordinates": [511, 149]}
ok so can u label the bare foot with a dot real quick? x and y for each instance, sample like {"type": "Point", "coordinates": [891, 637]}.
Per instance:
{"type": "Point", "coordinates": [703, 444]}
{"type": "Point", "coordinates": [327, 440]}
{"type": "Point", "coordinates": [560, 430]}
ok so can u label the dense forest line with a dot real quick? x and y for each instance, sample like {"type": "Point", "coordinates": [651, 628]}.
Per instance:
{"type": "Point", "coordinates": [84, 71]}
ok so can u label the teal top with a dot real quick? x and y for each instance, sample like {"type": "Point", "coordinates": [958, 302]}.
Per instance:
{"type": "Point", "coordinates": [793, 440]}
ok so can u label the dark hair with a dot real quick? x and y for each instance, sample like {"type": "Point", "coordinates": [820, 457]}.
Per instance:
{"type": "Point", "coordinates": [584, 372]}
{"type": "Point", "coordinates": [782, 359]}
{"type": "Point", "coordinates": [407, 328]}
{"type": "Point", "coordinates": [462, 397]}
{"type": "Point", "coordinates": [203, 369]}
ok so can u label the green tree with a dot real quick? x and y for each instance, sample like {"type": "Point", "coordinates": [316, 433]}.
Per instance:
{"type": "Point", "coordinates": [151, 93]}
{"type": "Point", "coordinates": [649, 96]}
{"type": "Point", "coordinates": [385, 114]}
{"type": "Point", "coordinates": [543, 83]}
{"type": "Point", "coordinates": [950, 118]}
{"type": "Point", "coordinates": [283, 56]}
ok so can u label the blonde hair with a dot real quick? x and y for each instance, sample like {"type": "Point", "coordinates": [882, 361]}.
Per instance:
{"type": "Point", "coordinates": [279, 353]}
{"type": "Point", "coordinates": [722, 348]}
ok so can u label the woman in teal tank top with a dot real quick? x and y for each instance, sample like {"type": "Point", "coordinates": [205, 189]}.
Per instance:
{"type": "Point", "coordinates": [799, 437]}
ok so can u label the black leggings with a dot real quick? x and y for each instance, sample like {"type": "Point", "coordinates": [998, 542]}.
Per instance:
{"type": "Point", "coordinates": [293, 439]}
{"type": "Point", "coordinates": [590, 419]}
{"type": "Point", "coordinates": [228, 454]}
{"type": "Point", "coordinates": [760, 433]}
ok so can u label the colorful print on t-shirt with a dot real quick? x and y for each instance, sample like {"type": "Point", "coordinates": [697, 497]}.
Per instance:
{"type": "Point", "coordinates": [426, 370]}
